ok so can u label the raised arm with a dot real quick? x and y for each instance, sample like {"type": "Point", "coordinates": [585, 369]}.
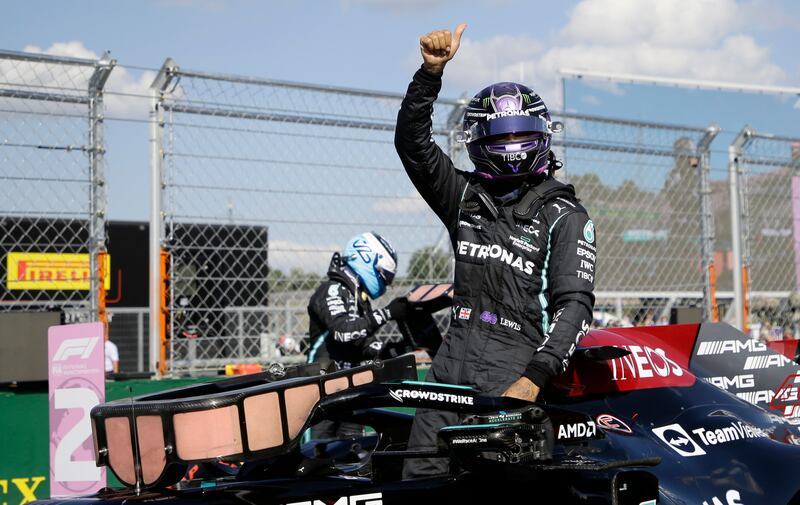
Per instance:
{"type": "Point", "coordinates": [429, 168]}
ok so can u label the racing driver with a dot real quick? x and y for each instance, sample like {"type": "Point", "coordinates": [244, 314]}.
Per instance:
{"type": "Point", "coordinates": [342, 323]}
{"type": "Point", "coordinates": [524, 246]}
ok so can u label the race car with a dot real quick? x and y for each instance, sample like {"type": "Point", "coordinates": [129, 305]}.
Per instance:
{"type": "Point", "coordinates": [639, 417]}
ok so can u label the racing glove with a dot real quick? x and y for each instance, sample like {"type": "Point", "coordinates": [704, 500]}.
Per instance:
{"type": "Point", "coordinates": [397, 308]}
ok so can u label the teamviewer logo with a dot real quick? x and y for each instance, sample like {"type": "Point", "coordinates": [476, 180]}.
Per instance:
{"type": "Point", "coordinates": [676, 437]}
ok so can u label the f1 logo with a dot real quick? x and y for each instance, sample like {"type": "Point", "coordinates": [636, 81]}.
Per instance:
{"type": "Point", "coordinates": [676, 437]}
{"type": "Point", "coordinates": [82, 347]}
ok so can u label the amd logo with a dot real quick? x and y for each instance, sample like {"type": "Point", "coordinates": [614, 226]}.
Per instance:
{"type": "Point", "coordinates": [577, 430]}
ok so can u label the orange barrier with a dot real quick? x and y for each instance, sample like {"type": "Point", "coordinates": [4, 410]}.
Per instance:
{"type": "Point", "coordinates": [162, 323]}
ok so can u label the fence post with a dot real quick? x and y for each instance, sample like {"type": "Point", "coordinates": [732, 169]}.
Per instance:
{"type": "Point", "coordinates": [140, 341]}
{"type": "Point", "coordinates": [710, 310]}
{"type": "Point", "coordinates": [97, 206]}
{"type": "Point", "coordinates": [454, 150]}
{"type": "Point", "coordinates": [157, 89]}
{"type": "Point", "coordinates": [737, 232]}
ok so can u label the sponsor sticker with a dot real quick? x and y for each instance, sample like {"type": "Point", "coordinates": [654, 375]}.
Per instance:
{"type": "Point", "coordinates": [787, 398]}
{"type": "Point", "coordinates": [644, 362]}
{"type": "Point", "coordinates": [588, 231]}
{"type": "Point", "coordinates": [766, 361]}
{"type": "Point", "coordinates": [676, 437]}
{"type": "Point", "coordinates": [713, 347]}
{"type": "Point", "coordinates": [488, 317]}
{"type": "Point", "coordinates": [577, 430]}
{"type": "Point", "coordinates": [681, 442]}
{"type": "Point", "coordinates": [52, 271]}
{"type": "Point", "coordinates": [609, 422]}
{"type": "Point", "coordinates": [432, 396]}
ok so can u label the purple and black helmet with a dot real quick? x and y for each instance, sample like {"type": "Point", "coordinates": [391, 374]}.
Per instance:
{"type": "Point", "coordinates": [495, 114]}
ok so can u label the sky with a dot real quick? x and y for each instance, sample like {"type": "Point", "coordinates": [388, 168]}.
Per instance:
{"type": "Point", "coordinates": [373, 44]}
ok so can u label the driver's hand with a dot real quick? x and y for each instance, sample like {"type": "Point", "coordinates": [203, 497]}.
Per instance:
{"type": "Point", "coordinates": [438, 47]}
{"type": "Point", "coordinates": [523, 389]}
{"type": "Point", "coordinates": [398, 308]}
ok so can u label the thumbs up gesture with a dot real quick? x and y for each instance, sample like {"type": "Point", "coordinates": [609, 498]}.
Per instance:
{"type": "Point", "coordinates": [438, 47]}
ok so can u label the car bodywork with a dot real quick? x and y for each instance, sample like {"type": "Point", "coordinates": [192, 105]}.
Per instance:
{"type": "Point", "coordinates": [641, 416]}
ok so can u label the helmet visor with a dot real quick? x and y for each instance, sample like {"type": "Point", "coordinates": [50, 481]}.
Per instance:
{"type": "Point", "coordinates": [386, 274]}
{"type": "Point", "coordinates": [507, 125]}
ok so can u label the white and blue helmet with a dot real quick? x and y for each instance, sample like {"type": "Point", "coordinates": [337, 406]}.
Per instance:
{"type": "Point", "coordinates": [373, 260]}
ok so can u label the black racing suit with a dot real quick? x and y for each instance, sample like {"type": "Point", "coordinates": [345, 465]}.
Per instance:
{"type": "Point", "coordinates": [342, 322]}
{"type": "Point", "coordinates": [524, 275]}
{"type": "Point", "coordinates": [341, 330]}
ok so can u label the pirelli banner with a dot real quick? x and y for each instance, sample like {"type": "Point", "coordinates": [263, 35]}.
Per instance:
{"type": "Point", "coordinates": [51, 271]}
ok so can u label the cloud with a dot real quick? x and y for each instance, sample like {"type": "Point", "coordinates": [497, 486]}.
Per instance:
{"type": "Point", "coordinates": [504, 57]}
{"type": "Point", "coordinates": [126, 94]}
{"type": "Point", "coordinates": [701, 39]}
{"type": "Point", "coordinates": [676, 23]}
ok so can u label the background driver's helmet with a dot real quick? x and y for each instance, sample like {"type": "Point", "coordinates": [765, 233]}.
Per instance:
{"type": "Point", "coordinates": [494, 113]}
{"type": "Point", "coordinates": [373, 260]}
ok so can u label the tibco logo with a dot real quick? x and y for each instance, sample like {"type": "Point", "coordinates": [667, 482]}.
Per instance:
{"type": "Point", "coordinates": [81, 347]}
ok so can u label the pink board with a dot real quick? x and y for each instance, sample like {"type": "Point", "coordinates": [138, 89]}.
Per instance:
{"type": "Point", "coordinates": [76, 384]}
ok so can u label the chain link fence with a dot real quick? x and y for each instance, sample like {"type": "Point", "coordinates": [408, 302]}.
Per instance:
{"type": "Point", "coordinates": [263, 181]}
{"type": "Point", "coordinates": [770, 185]}
{"type": "Point", "coordinates": [52, 221]}
{"type": "Point", "coordinates": [645, 186]}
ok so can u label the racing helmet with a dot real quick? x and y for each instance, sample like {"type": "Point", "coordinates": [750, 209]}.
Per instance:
{"type": "Point", "coordinates": [507, 130]}
{"type": "Point", "coordinates": [373, 260]}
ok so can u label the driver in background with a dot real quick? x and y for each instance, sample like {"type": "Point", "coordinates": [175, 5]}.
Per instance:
{"type": "Point", "coordinates": [342, 322]}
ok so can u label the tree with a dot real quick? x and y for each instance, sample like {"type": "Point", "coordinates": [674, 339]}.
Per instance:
{"type": "Point", "coordinates": [429, 264]}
